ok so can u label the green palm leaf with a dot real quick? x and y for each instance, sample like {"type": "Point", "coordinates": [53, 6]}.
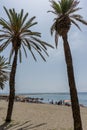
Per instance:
{"type": "Point", "coordinates": [65, 15]}
{"type": "Point", "coordinates": [4, 71]}
{"type": "Point", "coordinates": [16, 31]}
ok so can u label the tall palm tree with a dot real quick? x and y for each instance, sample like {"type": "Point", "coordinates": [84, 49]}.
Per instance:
{"type": "Point", "coordinates": [17, 33]}
{"type": "Point", "coordinates": [65, 17]}
{"type": "Point", "coordinates": [4, 71]}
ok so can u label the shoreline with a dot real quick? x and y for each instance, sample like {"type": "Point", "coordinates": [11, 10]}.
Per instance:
{"type": "Point", "coordinates": [28, 99]}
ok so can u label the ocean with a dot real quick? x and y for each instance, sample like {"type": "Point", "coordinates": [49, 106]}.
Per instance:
{"type": "Point", "coordinates": [55, 97]}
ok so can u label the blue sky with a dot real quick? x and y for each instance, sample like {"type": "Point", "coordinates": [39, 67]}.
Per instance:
{"type": "Point", "coordinates": [50, 76]}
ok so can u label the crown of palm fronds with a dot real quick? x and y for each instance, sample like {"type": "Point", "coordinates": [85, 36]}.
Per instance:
{"type": "Point", "coordinates": [4, 71]}
{"type": "Point", "coordinates": [17, 31]}
{"type": "Point", "coordinates": [65, 9]}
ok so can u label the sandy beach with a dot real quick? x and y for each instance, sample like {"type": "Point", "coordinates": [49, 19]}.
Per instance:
{"type": "Point", "coordinates": [32, 116]}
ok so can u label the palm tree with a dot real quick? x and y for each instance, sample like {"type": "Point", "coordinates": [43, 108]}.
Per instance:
{"type": "Point", "coordinates": [65, 16]}
{"type": "Point", "coordinates": [4, 71]}
{"type": "Point", "coordinates": [17, 33]}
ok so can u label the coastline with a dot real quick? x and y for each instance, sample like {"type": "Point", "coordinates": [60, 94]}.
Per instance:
{"type": "Point", "coordinates": [39, 116]}
{"type": "Point", "coordinates": [50, 98]}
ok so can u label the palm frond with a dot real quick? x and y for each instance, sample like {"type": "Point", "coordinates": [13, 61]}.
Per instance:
{"type": "Point", "coordinates": [24, 18]}
{"type": "Point", "coordinates": [33, 55]}
{"type": "Point", "coordinates": [71, 10]}
{"type": "Point", "coordinates": [76, 16]}
{"type": "Point", "coordinates": [35, 44]}
{"type": "Point", "coordinates": [16, 29]}
{"type": "Point", "coordinates": [21, 15]}
{"type": "Point", "coordinates": [52, 29]}
{"type": "Point", "coordinates": [72, 21]}
{"type": "Point", "coordinates": [41, 49]}
{"type": "Point", "coordinates": [51, 12]}
{"type": "Point", "coordinates": [56, 39]}
{"type": "Point", "coordinates": [29, 33]}
{"type": "Point", "coordinates": [28, 24]}
{"type": "Point", "coordinates": [56, 6]}
{"type": "Point", "coordinates": [75, 3]}
{"type": "Point", "coordinates": [4, 71]}
{"type": "Point", "coordinates": [13, 15]}
{"type": "Point", "coordinates": [6, 32]}
{"type": "Point", "coordinates": [1, 40]}
{"type": "Point", "coordinates": [64, 6]}
{"type": "Point", "coordinates": [8, 14]}
{"type": "Point", "coordinates": [39, 41]}
{"type": "Point", "coordinates": [24, 50]}
{"type": "Point", "coordinates": [81, 20]}
{"type": "Point", "coordinates": [41, 56]}
{"type": "Point", "coordinates": [20, 55]}
{"type": "Point", "coordinates": [27, 43]}
{"type": "Point", "coordinates": [5, 44]}
{"type": "Point", "coordinates": [44, 44]}
{"type": "Point", "coordinates": [11, 54]}
{"type": "Point", "coordinates": [5, 36]}
{"type": "Point", "coordinates": [5, 24]}
{"type": "Point", "coordinates": [40, 53]}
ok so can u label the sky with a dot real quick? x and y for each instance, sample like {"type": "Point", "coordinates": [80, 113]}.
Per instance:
{"type": "Point", "coordinates": [49, 76]}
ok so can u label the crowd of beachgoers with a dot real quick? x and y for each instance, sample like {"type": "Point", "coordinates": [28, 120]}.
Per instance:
{"type": "Point", "coordinates": [37, 100]}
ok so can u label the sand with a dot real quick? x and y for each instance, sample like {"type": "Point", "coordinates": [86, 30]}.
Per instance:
{"type": "Point", "coordinates": [31, 116]}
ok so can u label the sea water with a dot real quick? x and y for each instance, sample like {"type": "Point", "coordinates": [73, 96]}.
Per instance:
{"type": "Point", "coordinates": [55, 97]}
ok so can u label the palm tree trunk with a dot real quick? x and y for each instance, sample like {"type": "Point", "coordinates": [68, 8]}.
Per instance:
{"type": "Point", "coordinates": [72, 86]}
{"type": "Point", "coordinates": [12, 88]}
